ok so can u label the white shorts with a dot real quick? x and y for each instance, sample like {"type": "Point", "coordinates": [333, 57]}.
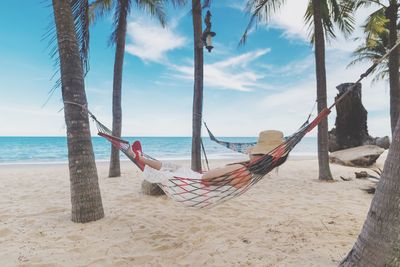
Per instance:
{"type": "Point", "coordinates": [168, 170]}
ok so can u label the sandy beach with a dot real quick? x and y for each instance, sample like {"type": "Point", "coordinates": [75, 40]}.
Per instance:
{"type": "Point", "coordinates": [288, 219]}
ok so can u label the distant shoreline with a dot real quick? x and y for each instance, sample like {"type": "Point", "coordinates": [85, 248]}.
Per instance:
{"type": "Point", "coordinates": [104, 161]}
{"type": "Point", "coordinates": [54, 150]}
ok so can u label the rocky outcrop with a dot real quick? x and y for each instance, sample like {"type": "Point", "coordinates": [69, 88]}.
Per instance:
{"type": "Point", "coordinates": [382, 142]}
{"type": "Point", "coordinates": [151, 189]}
{"type": "Point", "coordinates": [361, 156]}
{"type": "Point", "coordinates": [351, 122]}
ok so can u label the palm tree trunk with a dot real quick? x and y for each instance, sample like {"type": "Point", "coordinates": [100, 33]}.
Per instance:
{"type": "Point", "coordinates": [198, 86]}
{"type": "Point", "coordinates": [394, 81]}
{"type": "Point", "coordinates": [85, 192]}
{"type": "Point", "coordinates": [323, 157]}
{"type": "Point", "coordinates": [115, 169]}
{"type": "Point", "coordinates": [378, 242]}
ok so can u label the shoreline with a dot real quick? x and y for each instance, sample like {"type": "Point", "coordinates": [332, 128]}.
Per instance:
{"type": "Point", "coordinates": [304, 156]}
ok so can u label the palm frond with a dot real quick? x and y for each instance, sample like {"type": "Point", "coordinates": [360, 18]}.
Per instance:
{"type": "Point", "coordinates": [333, 12]}
{"type": "Point", "coordinates": [206, 4]}
{"type": "Point", "coordinates": [367, 3]}
{"type": "Point", "coordinates": [260, 11]}
{"type": "Point", "coordinates": [370, 51]}
{"type": "Point", "coordinates": [309, 21]}
{"type": "Point", "coordinates": [154, 8]}
{"type": "Point", "coordinates": [343, 15]}
{"type": "Point", "coordinates": [177, 3]}
{"type": "Point", "coordinates": [121, 10]}
{"type": "Point", "coordinates": [326, 16]}
{"type": "Point", "coordinates": [80, 12]}
{"type": "Point", "coordinates": [100, 8]}
{"type": "Point", "coordinates": [376, 26]}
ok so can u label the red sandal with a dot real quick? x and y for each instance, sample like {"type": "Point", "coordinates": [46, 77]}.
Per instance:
{"type": "Point", "coordinates": [137, 150]}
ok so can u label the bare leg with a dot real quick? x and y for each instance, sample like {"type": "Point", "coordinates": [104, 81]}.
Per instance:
{"type": "Point", "coordinates": [153, 163]}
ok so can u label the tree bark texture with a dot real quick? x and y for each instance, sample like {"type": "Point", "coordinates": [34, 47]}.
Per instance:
{"type": "Point", "coordinates": [323, 156]}
{"type": "Point", "coordinates": [198, 86]}
{"type": "Point", "coordinates": [85, 192]}
{"type": "Point", "coordinates": [115, 168]}
{"type": "Point", "coordinates": [351, 119]}
{"type": "Point", "coordinates": [391, 14]}
{"type": "Point", "coordinates": [379, 241]}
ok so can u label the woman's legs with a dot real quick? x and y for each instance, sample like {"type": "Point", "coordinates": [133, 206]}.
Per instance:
{"type": "Point", "coordinates": [153, 163]}
{"type": "Point", "coordinates": [137, 155]}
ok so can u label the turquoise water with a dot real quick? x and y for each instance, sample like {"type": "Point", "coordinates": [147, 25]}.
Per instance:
{"type": "Point", "coordinates": [54, 149]}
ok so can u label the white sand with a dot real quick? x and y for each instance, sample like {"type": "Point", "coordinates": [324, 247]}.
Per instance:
{"type": "Point", "coordinates": [288, 219]}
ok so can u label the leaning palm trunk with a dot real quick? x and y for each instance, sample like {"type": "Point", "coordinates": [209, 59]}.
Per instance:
{"type": "Point", "coordinates": [115, 169]}
{"type": "Point", "coordinates": [198, 87]}
{"type": "Point", "coordinates": [323, 157]}
{"type": "Point", "coordinates": [85, 191]}
{"type": "Point", "coordinates": [378, 242]}
{"type": "Point", "coordinates": [394, 82]}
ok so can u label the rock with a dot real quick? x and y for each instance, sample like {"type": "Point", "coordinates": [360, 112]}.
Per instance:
{"type": "Point", "coordinates": [151, 189]}
{"type": "Point", "coordinates": [333, 145]}
{"type": "Point", "coordinates": [380, 162]}
{"type": "Point", "coordinates": [332, 141]}
{"type": "Point", "coordinates": [357, 156]}
{"type": "Point", "coordinates": [383, 142]}
{"type": "Point", "coordinates": [351, 120]}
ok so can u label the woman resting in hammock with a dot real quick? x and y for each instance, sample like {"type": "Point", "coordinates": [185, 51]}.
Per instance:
{"type": "Point", "coordinates": [236, 174]}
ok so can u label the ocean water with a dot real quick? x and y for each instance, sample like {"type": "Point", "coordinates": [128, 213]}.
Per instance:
{"type": "Point", "coordinates": [38, 150]}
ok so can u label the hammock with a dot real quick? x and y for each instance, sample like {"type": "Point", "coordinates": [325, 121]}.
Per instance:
{"type": "Point", "coordinates": [119, 143]}
{"type": "Point", "coordinates": [238, 147]}
{"type": "Point", "coordinates": [198, 193]}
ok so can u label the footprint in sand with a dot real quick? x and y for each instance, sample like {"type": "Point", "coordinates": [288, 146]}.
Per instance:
{"type": "Point", "coordinates": [4, 217]}
{"type": "Point", "coordinates": [74, 237]}
{"type": "Point", "coordinates": [5, 232]}
{"type": "Point", "coordinates": [54, 209]}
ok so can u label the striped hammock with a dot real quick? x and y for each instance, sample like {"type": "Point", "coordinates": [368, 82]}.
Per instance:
{"type": "Point", "coordinates": [238, 147]}
{"type": "Point", "coordinates": [198, 193]}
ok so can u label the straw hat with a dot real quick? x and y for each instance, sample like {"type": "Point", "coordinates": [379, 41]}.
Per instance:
{"type": "Point", "coordinates": [267, 141]}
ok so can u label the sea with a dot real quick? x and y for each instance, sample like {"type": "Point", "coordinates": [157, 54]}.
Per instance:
{"type": "Point", "coordinates": [48, 150]}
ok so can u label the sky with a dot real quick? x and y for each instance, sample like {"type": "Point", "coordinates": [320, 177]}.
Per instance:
{"type": "Point", "coordinates": [269, 83]}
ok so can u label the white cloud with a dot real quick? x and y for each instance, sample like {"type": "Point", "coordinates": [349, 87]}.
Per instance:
{"type": "Point", "coordinates": [291, 69]}
{"type": "Point", "coordinates": [290, 19]}
{"type": "Point", "coordinates": [289, 106]}
{"type": "Point", "coordinates": [40, 122]}
{"type": "Point", "coordinates": [150, 42]}
{"type": "Point", "coordinates": [232, 73]}
{"type": "Point", "coordinates": [236, 4]}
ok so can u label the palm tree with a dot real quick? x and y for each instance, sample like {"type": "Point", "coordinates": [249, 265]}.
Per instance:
{"type": "Point", "coordinates": [85, 192]}
{"type": "Point", "coordinates": [380, 21]}
{"type": "Point", "coordinates": [122, 10]}
{"type": "Point", "coordinates": [378, 242]}
{"type": "Point", "coordinates": [320, 16]}
{"type": "Point", "coordinates": [376, 44]}
{"type": "Point", "coordinates": [198, 85]}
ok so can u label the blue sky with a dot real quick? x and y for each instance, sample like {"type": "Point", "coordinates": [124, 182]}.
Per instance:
{"type": "Point", "coordinates": [267, 84]}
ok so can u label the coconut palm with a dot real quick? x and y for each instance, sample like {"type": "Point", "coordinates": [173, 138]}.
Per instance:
{"type": "Point", "coordinates": [378, 242]}
{"type": "Point", "coordinates": [384, 22]}
{"type": "Point", "coordinates": [72, 44]}
{"type": "Point", "coordinates": [198, 85]}
{"type": "Point", "coordinates": [122, 9]}
{"type": "Point", "coordinates": [375, 45]}
{"type": "Point", "coordinates": [321, 16]}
